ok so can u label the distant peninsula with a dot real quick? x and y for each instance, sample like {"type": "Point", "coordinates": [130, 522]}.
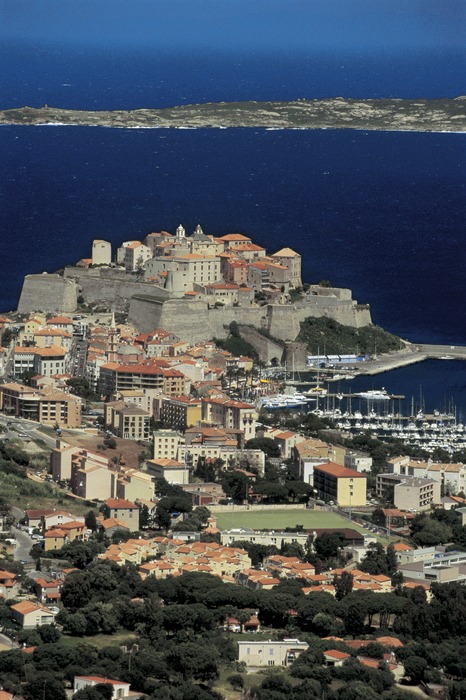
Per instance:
{"type": "Point", "coordinates": [336, 113]}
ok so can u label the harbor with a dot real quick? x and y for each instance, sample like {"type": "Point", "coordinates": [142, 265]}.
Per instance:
{"type": "Point", "coordinates": [421, 400]}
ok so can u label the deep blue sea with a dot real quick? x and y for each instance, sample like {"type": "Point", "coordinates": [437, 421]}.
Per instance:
{"type": "Point", "coordinates": [381, 213]}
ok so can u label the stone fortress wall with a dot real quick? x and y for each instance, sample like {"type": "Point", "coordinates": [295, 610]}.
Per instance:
{"type": "Point", "coordinates": [48, 293]}
{"type": "Point", "coordinates": [195, 321]}
{"type": "Point", "coordinates": [111, 286]}
{"type": "Point", "coordinates": [150, 307]}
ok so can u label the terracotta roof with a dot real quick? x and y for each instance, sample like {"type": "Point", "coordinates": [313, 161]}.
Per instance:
{"type": "Point", "coordinates": [402, 547]}
{"type": "Point", "coordinates": [286, 253]}
{"type": "Point", "coordinates": [25, 607]}
{"type": "Point", "coordinates": [338, 471]}
{"type": "Point", "coordinates": [60, 319]}
{"type": "Point", "coordinates": [390, 641]}
{"type": "Point", "coordinates": [233, 237]}
{"type": "Point", "coordinates": [55, 532]}
{"type": "Point", "coordinates": [335, 654]}
{"type": "Point", "coordinates": [101, 679]}
{"type": "Point", "coordinates": [120, 503]}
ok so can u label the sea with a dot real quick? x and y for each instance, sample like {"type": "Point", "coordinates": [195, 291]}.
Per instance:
{"type": "Point", "coordinates": [379, 212]}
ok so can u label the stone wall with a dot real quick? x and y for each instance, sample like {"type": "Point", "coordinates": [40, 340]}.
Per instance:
{"type": "Point", "coordinates": [48, 293]}
{"type": "Point", "coordinates": [266, 349]}
{"type": "Point", "coordinates": [296, 356]}
{"type": "Point", "coordinates": [115, 287]}
{"type": "Point", "coordinates": [283, 322]}
{"type": "Point", "coordinates": [192, 320]}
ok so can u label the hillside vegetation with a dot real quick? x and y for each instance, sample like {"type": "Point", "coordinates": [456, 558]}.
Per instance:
{"type": "Point", "coordinates": [332, 338]}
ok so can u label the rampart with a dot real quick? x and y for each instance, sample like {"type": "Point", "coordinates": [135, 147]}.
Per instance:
{"type": "Point", "coordinates": [114, 287]}
{"type": "Point", "coordinates": [151, 307]}
{"type": "Point", "coordinates": [266, 348]}
{"type": "Point", "coordinates": [195, 321]}
{"type": "Point", "coordinates": [48, 293]}
{"type": "Point", "coordinates": [283, 321]}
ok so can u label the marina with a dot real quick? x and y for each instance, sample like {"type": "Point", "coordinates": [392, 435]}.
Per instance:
{"type": "Point", "coordinates": [428, 416]}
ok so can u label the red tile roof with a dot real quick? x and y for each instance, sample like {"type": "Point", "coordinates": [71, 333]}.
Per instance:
{"type": "Point", "coordinates": [338, 471]}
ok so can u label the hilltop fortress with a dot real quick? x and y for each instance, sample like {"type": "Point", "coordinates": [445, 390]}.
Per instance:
{"type": "Point", "coordinates": [194, 285]}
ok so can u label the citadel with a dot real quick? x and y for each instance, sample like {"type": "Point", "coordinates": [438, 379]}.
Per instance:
{"type": "Point", "coordinates": [196, 285]}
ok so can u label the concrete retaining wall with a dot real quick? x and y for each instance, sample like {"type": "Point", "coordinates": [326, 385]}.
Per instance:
{"type": "Point", "coordinates": [257, 507]}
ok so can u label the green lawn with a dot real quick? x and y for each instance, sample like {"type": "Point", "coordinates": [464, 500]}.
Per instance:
{"type": "Point", "coordinates": [99, 640]}
{"type": "Point", "coordinates": [280, 519]}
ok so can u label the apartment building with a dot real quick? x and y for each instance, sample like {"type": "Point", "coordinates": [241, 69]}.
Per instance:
{"type": "Point", "coordinates": [124, 511]}
{"type": "Point", "coordinates": [408, 492]}
{"type": "Point", "coordinates": [340, 485]}
{"type": "Point", "coordinates": [228, 413]}
{"type": "Point", "coordinates": [127, 420]}
{"type": "Point", "coordinates": [180, 412]}
{"type": "Point", "coordinates": [180, 273]}
{"type": "Point", "coordinates": [133, 255]}
{"type": "Point", "coordinates": [169, 469]}
{"type": "Point", "coordinates": [148, 375]}
{"type": "Point", "coordinates": [134, 485]}
{"type": "Point", "coordinates": [48, 406]}
{"type": "Point", "coordinates": [91, 477]}
{"type": "Point", "coordinates": [166, 443]}
{"type": "Point", "coordinates": [46, 361]}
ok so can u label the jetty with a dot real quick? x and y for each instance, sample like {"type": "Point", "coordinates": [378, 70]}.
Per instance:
{"type": "Point", "coordinates": [416, 353]}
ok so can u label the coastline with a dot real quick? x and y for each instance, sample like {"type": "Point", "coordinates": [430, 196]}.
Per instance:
{"type": "Point", "coordinates": [424, 115]}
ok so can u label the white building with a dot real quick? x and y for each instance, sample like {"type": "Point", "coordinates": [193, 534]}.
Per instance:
{"type": "Point", "coordinates": [271, 653]}
{"type": "Point", "coordinates": [101, 252]}
{"type": "Point", "coordinates": [120, 688]}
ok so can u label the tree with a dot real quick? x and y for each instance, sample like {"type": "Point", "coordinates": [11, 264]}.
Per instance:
{"type": "Point", "coordinates": [144, 516]}
{"type": "Point", "coordinates": [415, 668]}
{"type": "Point", "coordinates": [193, 661]}
{"type": "Point", "coordinates": [91, 521]}
{"type": "Point", "coordinates": [375, 561]}
{"type": "Point", "coordinates": [76, 591]}
{"type": "Point", "coordinates": [357, 690]}
{"type": "Point", "coordinates": [80, 553]}
{"type": "Point", "coordinates": [266, 444]}
{"type": "Point", "coordinates": [49, 634]}
{"type": "Point", "coordinates": [7, 337]}
{"type": "Point", "coordinates": [292, 549]}
{"type": "Point", "coordinates": [328, 544]}
{"type": "Point", "coordinates": [80, 387]}
{"type": "Point", "coordinates": [427, 532]}
{"type": "Point", "coordinates": [44, 687]}
{"type": "Point", "coordinates": [343, 584]}
{"type": "Point", "coordinates": [236, 681]}
{"type": "Point", "coordinates": [298, 489]}
{"type": "Point", "coordinates": [392, 563]}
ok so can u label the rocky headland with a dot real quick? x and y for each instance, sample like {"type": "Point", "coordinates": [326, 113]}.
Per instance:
{"type": "Point", "coordinates": [336, 113]}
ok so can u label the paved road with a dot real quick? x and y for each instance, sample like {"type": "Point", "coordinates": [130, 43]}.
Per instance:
{"type": "Point", "coordinates": [27, 428]}
{"type": "Point", "coordinates": [23, 544]}
{"type": "Point", "coordinates": [7, 643]}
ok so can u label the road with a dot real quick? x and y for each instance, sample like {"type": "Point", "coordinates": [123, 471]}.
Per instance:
{"type": "Point", "coordinates": [6, 643]}
{"type": "Point", "coordinates": [23, 544]}
{"type": "Point", "coordinates": [23, 428]}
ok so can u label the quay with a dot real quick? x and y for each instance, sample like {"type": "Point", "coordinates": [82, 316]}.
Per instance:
{"type": "Point", "coordinates": [414, 353]}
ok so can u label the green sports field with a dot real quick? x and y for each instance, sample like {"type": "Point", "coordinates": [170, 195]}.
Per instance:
{"type": "Point", "coordinates": [279, 519]}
